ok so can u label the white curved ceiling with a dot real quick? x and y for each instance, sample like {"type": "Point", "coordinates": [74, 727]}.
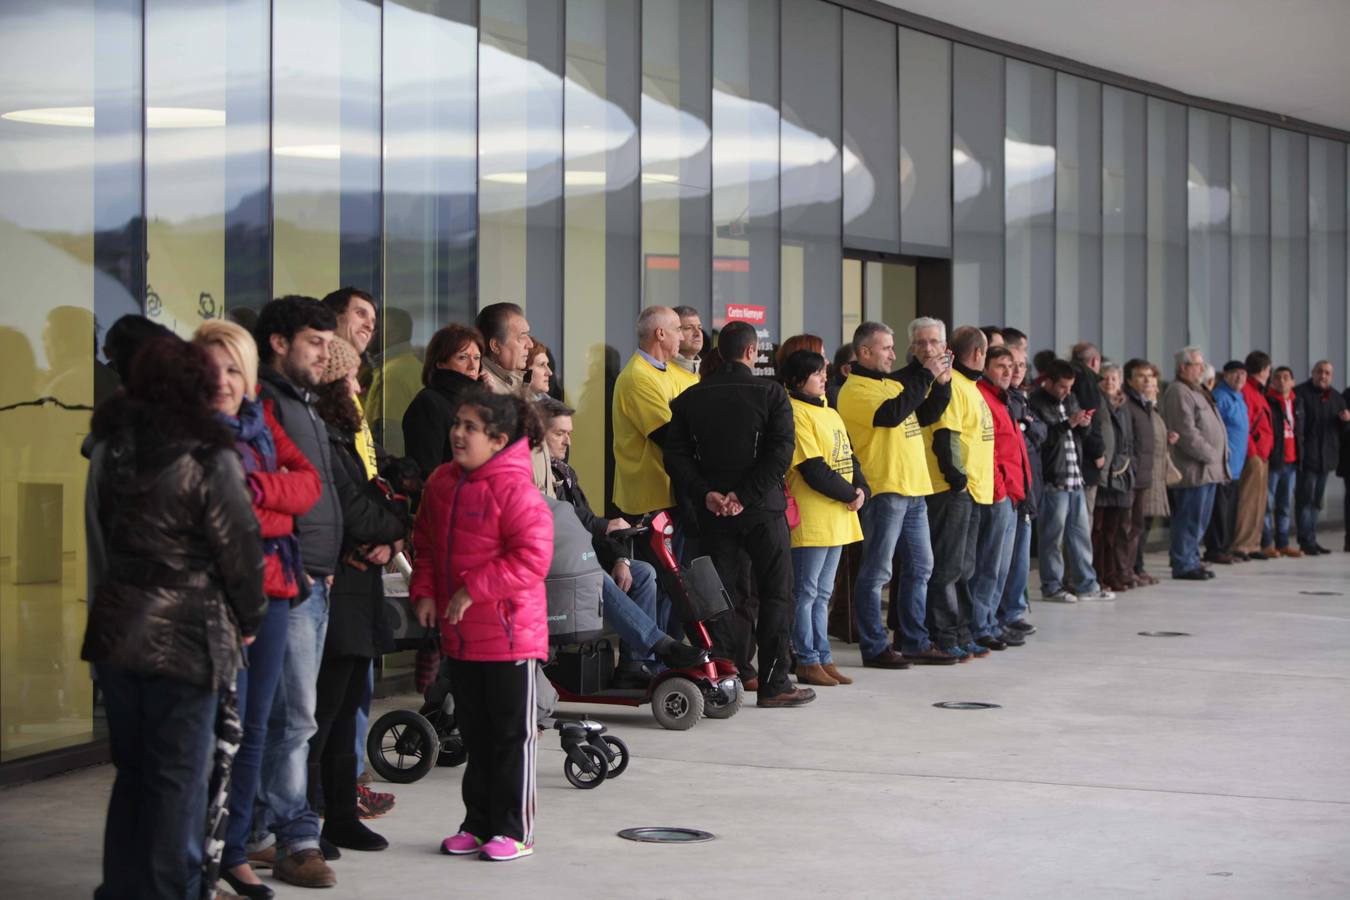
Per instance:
{"type": "Point", "coordinates": [1289, 57]}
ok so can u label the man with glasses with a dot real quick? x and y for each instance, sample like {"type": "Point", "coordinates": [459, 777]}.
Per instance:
{"type": "Point", "coordinates": [1200, 454]}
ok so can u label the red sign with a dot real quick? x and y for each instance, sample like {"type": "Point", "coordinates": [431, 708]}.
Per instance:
{"type": "Point", "coordinates": [741, 312]}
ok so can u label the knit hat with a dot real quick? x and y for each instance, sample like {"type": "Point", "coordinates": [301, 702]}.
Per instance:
{"type": "Point", "coordinates": [343, 360]}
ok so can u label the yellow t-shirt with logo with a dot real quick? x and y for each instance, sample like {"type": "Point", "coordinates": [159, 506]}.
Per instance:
{"type": "Point", "coordinates": [968, 415]}
{"type": "Point", "coordinates": [894, 460]}
{"type": "Point", "coordinates": [825, 521]}
{"type": "Point", "coordinates": [642, 395]}
{"type": "Point", "coordinates": [682, 375]}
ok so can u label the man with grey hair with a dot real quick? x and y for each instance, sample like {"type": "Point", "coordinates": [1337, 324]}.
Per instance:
{"type": "Point", "coordinates": [1324, 417]}
{"type": "Point", "coordinates": [885, 413]}
{"type": "Point", "coordinates": [691, 341]}
{"type": "Point", "coordinates": [1200, 454]}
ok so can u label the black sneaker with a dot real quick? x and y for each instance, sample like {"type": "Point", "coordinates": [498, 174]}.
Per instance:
{"type": "Point", "coordinates": [1022, 626]}
{"type": "Point", "coordinates": [353, 835]}
{"type": "Point", "coordinates": [992, 643]}
{"type": "Point", "coordinates": [1012, 638]}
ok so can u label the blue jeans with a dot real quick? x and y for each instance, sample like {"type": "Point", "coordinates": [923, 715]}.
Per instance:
{"type": "Point", "coordinates": [633, 615]}
{"type": "Point", "coordinates": [891, 523]}
{"type": "Point", "coordinates": [256, 686]}
{"type": "Point", "coordinates": [283, 797]}
{"type": "Point", "coordinates": [997, 527]}
{"type": "Point", "coordinates": [1192, 508]}
{"type": "Point", "coordinates": [1309, 491]}
{"type": "Point", "coordinates": [1063, 519]}
{"type": "Point", "coordinates": [1013, 591]}
{"type": "Point", "coordinates": [1279, 507]}
{"type": "Point", "coordinates": [161, 733]}
{"type": "Point", "coordinates": [813, 570]}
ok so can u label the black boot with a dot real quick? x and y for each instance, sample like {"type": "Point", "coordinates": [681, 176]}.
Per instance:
{"type": "Point", "coordinates": [353, 835]}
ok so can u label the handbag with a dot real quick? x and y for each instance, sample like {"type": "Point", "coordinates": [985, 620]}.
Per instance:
{"type": "Point", "coordinates": [1173, 473]}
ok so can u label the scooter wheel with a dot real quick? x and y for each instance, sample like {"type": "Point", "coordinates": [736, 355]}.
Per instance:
{"type": "Point", "coordinates": [730, 707]}
{"type": "Point", "coordinates": [677, 704]}
{"type": "Point", "coordinates": [402, 746]}
{"type": "Point", "coordinates": [620, 750]}
{"type": "Point", "coordinates": [579, 777]}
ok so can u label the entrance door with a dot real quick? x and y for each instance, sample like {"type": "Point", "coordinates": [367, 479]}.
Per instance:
{"type": "Point", "coordinates": [895, 291]}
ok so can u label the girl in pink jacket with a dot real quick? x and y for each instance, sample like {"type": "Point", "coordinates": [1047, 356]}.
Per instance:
{"type": "Point", "coordinates": [484, 542]}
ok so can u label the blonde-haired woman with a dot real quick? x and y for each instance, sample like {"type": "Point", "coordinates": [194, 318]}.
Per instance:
{"type": "Point", "coordinates": [283, 485]}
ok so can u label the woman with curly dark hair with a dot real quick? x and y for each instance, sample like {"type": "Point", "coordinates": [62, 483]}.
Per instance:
{"type": "Point", "coordinates": [453, 365]}
{"type": "Point", "coordinates": [176, 588]}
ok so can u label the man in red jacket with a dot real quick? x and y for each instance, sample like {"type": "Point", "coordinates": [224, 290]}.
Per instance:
{"type": "Point", "coordinates": [994, 543]}
{"type": "Point", "coordinates": [1252, 486]}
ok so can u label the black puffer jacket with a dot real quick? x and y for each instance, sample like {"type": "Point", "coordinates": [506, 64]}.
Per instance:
{"type": "Point", "coordinates": [1319, 428]}
{"type": "Point", "coordinates": [1033, 432]}
{"type": "Point", "coordinates": [1087, 390]}
{"type": "Point", "coordinates": [426, 423]}
{"type": "Point", "coordinates": [356, 625]}
{"type": "Point", "coordinates": [1054, 462]}
{"type": "Point", "coordinates": [176, 562]}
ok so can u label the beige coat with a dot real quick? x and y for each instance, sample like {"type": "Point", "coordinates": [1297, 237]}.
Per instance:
{"type": "Point", "coordinates": [500, 381]}
{"type": "Point", "coordinates": [1201, 452]}
{"type": "Point", "coordinates": [1155, 496]}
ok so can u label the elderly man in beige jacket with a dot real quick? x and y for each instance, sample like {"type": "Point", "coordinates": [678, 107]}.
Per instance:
{"type": "Point", "coordinates": [1200, 454]}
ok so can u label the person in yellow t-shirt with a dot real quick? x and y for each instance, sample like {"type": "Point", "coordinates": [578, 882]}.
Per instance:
{"type": "Point", "coordinates": [885, 413]}
{"type": "Point", "coordinates": [641, 415]}
{"type": "Point", "coordinates": [827, 483]}
{"type": "Point", "coordinates": [961, 463]}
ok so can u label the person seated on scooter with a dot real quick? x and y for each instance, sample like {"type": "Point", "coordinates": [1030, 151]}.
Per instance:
{"type": "Point", "coordinates": [631, 601]}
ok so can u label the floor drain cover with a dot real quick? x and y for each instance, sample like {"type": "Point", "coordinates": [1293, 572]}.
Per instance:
{"type": "Point", "coordinates": [1165, 634]}
{"type": "Point", "coordinates": [1321, 593]}
{"type": "Point", "coordinates": [965, 704]}
{"type": "Point", "coordinates": [662, 835]}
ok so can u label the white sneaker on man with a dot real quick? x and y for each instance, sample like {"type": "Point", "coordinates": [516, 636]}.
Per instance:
{"type": "Point", "coordinates": [1098, 594]}
{"type": "Point", "coordinates": [1059, 597]}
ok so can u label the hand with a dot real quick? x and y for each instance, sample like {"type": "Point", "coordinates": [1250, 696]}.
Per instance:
{"type": "Point", "coordinates": [1173, 437]}
{"type": "Point", "coordinates": [622, 575]}
{"type": "Point", "coordinates": [1079, 419]}
{"type": "Point", "coordinates": [617, 525]}
{"type": "Point", "coordinates": [858, 499]}
{"type": "Point", "coordinates": [1099, 462]}
{"type": "Point", "coordinates": [249, 640]}
{"type": "Point", "coordinates": [945, 376]}
{"type": "Point", "coordinates": [715, 501]}
{"type": "Point", "coordinates": [937, 365]}
{"type": "Point", "coordinates": [424, 609]}
{"type": "Point", "coordinates": [380, 555]}
{"type": "Point", "coordinates": [957, 483]}
{"type": "Point", "coordinates": [1345, 415]}
{"type": "Point", "coordinates": [734, 506]}
{"type": "Point", "coordinates": [458, 604]}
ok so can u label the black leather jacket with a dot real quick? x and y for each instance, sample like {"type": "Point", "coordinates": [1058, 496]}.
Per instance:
{"type": "Point", "coordinates": [176, 562]}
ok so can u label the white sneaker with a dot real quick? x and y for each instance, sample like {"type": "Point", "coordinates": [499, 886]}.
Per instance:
{"type": "Point", "coordinates": [1061, 597]}
{"type": "Point", "coordinates": [1098, 595]}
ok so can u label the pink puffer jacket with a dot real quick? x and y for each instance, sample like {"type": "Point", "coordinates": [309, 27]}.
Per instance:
{"type": "Point", "coordinates": [489, 531]}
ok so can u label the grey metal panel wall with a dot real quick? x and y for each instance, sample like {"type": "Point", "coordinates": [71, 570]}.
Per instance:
{"type": "Point", "coordinates": [1124, 224]}
{"type": "Point", "coordinates": [1250, 261]}
{"type": "Point", "coordinates": [1289, 250]}
{"type": "Point", "coordinates": [871, 135]}
{"type": "Point", "coordinates": [977, 186]}
{"type": "Point", "coordinates": [1078, 211]}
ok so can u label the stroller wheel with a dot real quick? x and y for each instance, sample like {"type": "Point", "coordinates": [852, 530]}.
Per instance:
{"type": "Point", "coordinates": [677, 704]}
{"type": "Point", "coordinates": [728, 708]}
{"type": "Point", "coordinates": [402, 746]}
{"type": "Point", "coordinates": [579, 777]}
{"type": "Point", "coordinates": [620, 750]}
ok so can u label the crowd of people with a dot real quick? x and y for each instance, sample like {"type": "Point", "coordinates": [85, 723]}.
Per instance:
{"type": "Point", "coordinates": [241, 513]}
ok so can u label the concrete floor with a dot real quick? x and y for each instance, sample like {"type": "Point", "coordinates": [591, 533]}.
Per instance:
{"type": "Point", "coordinates": [1213, 765]}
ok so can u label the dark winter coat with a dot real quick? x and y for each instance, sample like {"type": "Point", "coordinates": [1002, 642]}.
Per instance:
{"type": "Point", "coordinates": [1054, 462]}
{"type": "Point", "coordinates": [426, 422]}
{"type": "Point", "coordinates": [1277, 462]}
{"type": "Point", "coordinates": [1116, 487]}
{"type": "Point", "coordinates": [1087, 392]}
{"type": "Point", "coordinates": [1141, 420]}
{"type": "Point", "coordinates": [1033, 435]}
{"type": "Point", "coordinates": [1319, 446]}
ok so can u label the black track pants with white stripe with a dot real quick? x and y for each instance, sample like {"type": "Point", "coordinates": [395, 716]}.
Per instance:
{"type": "Point", "coordinates": [495, 712]}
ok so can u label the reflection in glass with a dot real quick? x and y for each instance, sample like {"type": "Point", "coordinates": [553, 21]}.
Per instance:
{"type": "Point", "coordinates": [925, 144]}
{"type": "Point", "coordinates": [676, 155]}
{"type": "Point", "coordinates": [520, 171]}
{"type": "Point", "coordinates": [430, 192]}
{"type": "Point", "coordinates": [1289, 250]}
{"type": "Point", "coordinates": [1207, 250]}
{"type": "Point", "coordinates": [1124, 149]}
{"type": "Point", "coordinates": [871, 135]}
{"type": "Point", "coordinates": [1029, 198]}
{"type": "Point", "coordinates": [1326, 252]}
{"type": "Point", "coordinates": [977, 186]}
{"type": "Point", "coordinates": [1166, 229]}
{"type": "Point", "coordinates": [1250, 276]}
{"type": "Point", "coordinates": [745, 163]}
{"type": "Point", "coordinates": [811, 189]}
{"type": "Point", "coordinates": [1078, 211]}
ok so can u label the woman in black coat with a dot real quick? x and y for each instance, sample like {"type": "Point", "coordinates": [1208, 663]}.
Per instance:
{"type": "Point", "coordinates": [453, 363]}
{"type": "Point", "coordinates": [373, 529]}
{"type": "Point", "coordinates": [176, 590]}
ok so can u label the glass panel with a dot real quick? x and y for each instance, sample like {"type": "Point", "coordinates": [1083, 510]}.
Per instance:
{"type": "Point", "coordinates": [1078, 211]}
{"type": "Point", "coordinates": [871, 135]}
{"type": "Point", "coordinates": [602, 209]}
{"type": "Point", "coordinates": [811, 189]}
{"type": "Point", "coordinates": [977, 187]}
{"type": "Point", "coordinates": [676, 156]}
{"type": "Point", "coordinates": [925, 144]}
{"type": "Point", "coordinates": [745, 165]}
{"type": "Point", "coordinates": [1029, 199]}
{"type": "Point", "coordinates": [1166, 230]}
{"type": "Point", "coordinates": [1207, 203]}
{"type": "Point", "coordinates": [326, 146]}
{"type": "Point", "coordinates": [70, 126]}
{"type": "Point", "coordinates": [1326, 251]}
{"type": "Point", "coordinates": [1250, 261]}
{"type": "Point", "coordinates": [520, 166]}
{"type": "Point", "coordinates": [851, 300]}
{"type": "Point", "coordinates": [1124, 149]}
{"type": "Point", "coordinates": [430, 192]}
{"type": "Point", "coordinates": [1289, 251]}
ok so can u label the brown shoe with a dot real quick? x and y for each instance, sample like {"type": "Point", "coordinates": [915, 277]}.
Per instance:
{"type": "Point", "coordinates": [790, 697]}
{"type": "Point", "coordinates": [931, 656]}
{"type": "Point", "coordinates": [833, 671]}
{"type": "Point", "coordinates": [263, 859]}
{"type": "Point", "coordinates": [814, 674]}
{"type": "Point", "coordinates": [751, 685]}
{"type": "Point", "coordinates": [887, 659]}
{"type": "Point", "coordinates": [1291, 552]}
{"type": "Point", "coordinates": [305, 869]}
{"type": "Point", "coordinates": [364, 779]}
{"type": "Point", "coordinates": [1146, 579]}
{"type": "Point", "coordinates": [1270, 553]}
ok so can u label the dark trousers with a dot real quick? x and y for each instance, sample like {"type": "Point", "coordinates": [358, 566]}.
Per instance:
{"type": "Point", "coordinates": [1136, 524]}
{"type": "Point", "coordinates": [1223, 523]}
{"type": "Point", "coordinates": [255, 686]}
{"type": "Point", "coordinates": [1309, 492]}
{"type": "Point", "coordinates": [763, 538]}
{"type": "Point", "coordinates": [161, 734]}
{"type": "Point", "coordinates": [951, 524]}
{"type": "Point", "coordinates": [332, 750]}
{"type": "Point", "coordinates": [1110, 545]}
{"type": "Point", "coordinates": [495, 712]}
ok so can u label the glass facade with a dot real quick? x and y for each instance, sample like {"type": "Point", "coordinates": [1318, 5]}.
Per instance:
{"type": "Point", "coordinates": [797, 163]}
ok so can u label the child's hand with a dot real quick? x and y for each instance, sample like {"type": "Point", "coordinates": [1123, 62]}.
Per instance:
{"type": "Point", "coordinates": [424, 608]}
{"type": "Point", "coordinates": [458, 604]}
